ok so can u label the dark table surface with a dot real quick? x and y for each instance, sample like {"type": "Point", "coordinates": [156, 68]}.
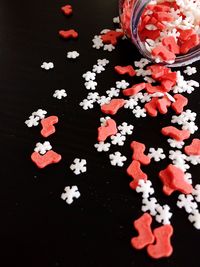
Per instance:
{"type": "Point", "coordinates": [38, 229]}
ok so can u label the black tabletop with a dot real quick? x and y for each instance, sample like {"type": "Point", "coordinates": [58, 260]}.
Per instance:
{"type": "Point", "coordinates": [38, 229]}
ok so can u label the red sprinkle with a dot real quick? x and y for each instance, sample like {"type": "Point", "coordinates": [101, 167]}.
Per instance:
{"type": "Point", "coordinates": [162, 247]}
{"type": "Point", "coordinates": [145, 235]}
{"type": "Point", "coordinates": [134, 89]}
{"type": "Point", "coordinates": [175, 133]}
{"type": "Point", "coordinates": [138, 153]}
{"type": "Point", "coordinates": [151, 107]}
{"type": "Point", "coordinates": [67, 10]}
{"type": "Point", "coordinates": [44, 160]}
{"type": "Point", "coordinates": [125, 70]}
{"type": "Point", "coordinates": [113, 106]}
{"type": "Point", "coordinates": [163, 52]}
{"type": "Point", "coordinates": [163, 104]}
{"type": "Point", "coordinates": [173, 180]}
{"type": "Point", "coordinates": [157, 71]}
{"type": "Point", "coordinates": [194, 148]}
{"type": "Point", "coordinates": [180, 103]}
{"type": "Point", "coordinates": [105, 131]}
{"type": "Point", "coordinates": [68, 34]}
{"type": "Point", "coordinates": [48, 125]}
{"type": "Point", "coordinates": [171, 44]}
{"type": "Point", "coordinates": [189, 44]}
{"type": "Point", "coordinates": [136, 173]}
{"type": "Point", "coordinates": [111, 37]}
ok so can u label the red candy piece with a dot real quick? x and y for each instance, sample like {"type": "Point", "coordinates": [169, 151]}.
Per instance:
{"type": "Point", "coordinates": [67, 10]}
{"type": "Point", "coordinates": [159, 8]}
{"type": "Point", "coordinates": [48, 125]}
{"type": "Point", "coordinates": [163, 16]}
{"type": "Point", "coordinates": [111, 37]}
{"type": "Point", "coordinates": [105, 131]}
{"type": "Point", "coordinates": [154, 89]}
{"type": "Point", "coordinates": [162, 247]}
{"type": "Point", "coordinates": [173, 180]}
{"type": "Point", "coordinates": [167, 85]}
{"type": "Point", "coordinates": [180, 103]}
{"type": "Point", "coordinates": [134, 89]}
{"type": "Point", "coordinates": [44, 160]}
{"type": "Point", "coordinates": [145, 237]}
{"type": "Point", "coordinates": [186, 34]}
{"type": "Point", "coordinates": [157, 71]}
{"type": "Point", "coordinates": [147, 34]}
{"type": "Point", "coordinates": [136, 173]}
{"type": "Point", "coordinates": [189, 44]}
{"type": "Point", "coordinates": [151, 107]}
{"type": "Point", "coordinates": [163, 52]}
{"type": "Point", "coordinates": [171, 44]}
{"type": "Point", "coordinates": [138, 153]}
{"type": "Point", "coordinates": [171, 76]}
{"type": "Point", "coordinates": [113, 106]}
{"type": "Point", "coordinates": [194, 148]}
{"type": "Point", "coordinates": [163, 104]}
{"type": "Point", "coordinates": [68, 34]}
{"type": "Point", "coordinates": [125, 70]}
{"type": "Point", "coordinates": [175, 133]}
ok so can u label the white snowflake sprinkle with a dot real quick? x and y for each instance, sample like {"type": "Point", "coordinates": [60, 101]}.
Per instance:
{"type": "Point", "coordinates": [78, 166]}
{"type": "Point", "coordinates": [118, 139]}
{"type": "Point", "coordinates": [89, 76]}
{"type": "Point", "coordinates": [103, 100]}
{"type": "Point", "coordinates": [164, 215]}
{"type": "Point", "coordinates": [122, 84]}
{"type": "Point", "coordinates": [40, 113]}
{"type": "Point", "coordinates": [150, 205]}
{"type": "Point", "coordinates": [124, 128]}
{"type": "Point", "coordinates": [101, 146]}
{"type": "Point", "coordinates": [190, 126]}
{"type": "Point", "coordinates": [156, 154]}
{"type": "Point", "coordinates": [196, 192]}
{"type": "Point", "coordinates": [190, 70]}
{"type": "Point", "coordinates": [32, 121]}
{"type": "Point", "coordinates": [73, 54]}
{"type": "Point", "coordinates": [117, 159]}
{"type": "Point", "coordinates": [86, 104]}
{"type": "Point", "coordinates": [43, 148]}
{"type": "Point", "coordinates": [93, 96]}
{"type": "Point", "coordinates": [98, 68]}
{"type": "Point", "coordinates": [90, 85]}
{"type": "Point", "coordinates": [103, 62]}
{"type": "Point", "coordinates": [145, 187]}
{"type": "Point", "coordinates": [113, 92]}
{"type": "Point", "coordinates": [70, 193]}
{"type": "Point", "coordinates": [47, 65]}
{"type": "Point", "coordinates": [97, 42]}
{"type": "Point", "coordinates": [59, 94]}
{"type": "Point", "coordinates": [175, 144]}
{"type": "Point", "coordinates": [186, 202]}
{"type": "Point", "coordinates": [195, 219]}
{"type": "Point", "coordinates": [139, 112]}
{"type": "Point", "coordinates": [130, 103]}
{"type": "Point", "coordinates": [109, 47]}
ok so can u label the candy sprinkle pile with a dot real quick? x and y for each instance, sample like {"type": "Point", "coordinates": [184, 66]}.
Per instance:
{"type": "Point", "coordinates": [166, 28]}
{"type": "Point", "coordinates": [160, 89]}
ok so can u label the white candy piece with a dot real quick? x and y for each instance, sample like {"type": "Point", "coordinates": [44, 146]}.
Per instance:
{"type": "Point", "coordinates": [118, 139]}
{"type": "Point", "coordinates": [101, 146]}
{"type": "Point", "coordinates": [124, 128]}
{"type": "Point", "coordinates": [78, 166]}
{"type": "Point", "coordinates": [59, 94]}
{"type": "Point", "coordinates": [117, 159]}
{"type": "Point", "coordinates": [164, 215]}
{"type": "Point", "coordinates": [43, 148]}
{"type": "Point", "coordinates": [70, 193]}
{"type": "Point", "coordinates": [73, 54]}
{"type": "Point", "coordinates": [145, 187]}
{"type": "Point", "coordinates": [186, 202]}
{"type": "Point", "coordinates": [122, 84]}
{"type": "Point", "coordinates": [47, 65]}
{"type": "Point", "coordinates": [156, 154]}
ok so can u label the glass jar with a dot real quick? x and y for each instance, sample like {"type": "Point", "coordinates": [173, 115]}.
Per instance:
{"type": "Point", "coordinates": [130, 12]}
